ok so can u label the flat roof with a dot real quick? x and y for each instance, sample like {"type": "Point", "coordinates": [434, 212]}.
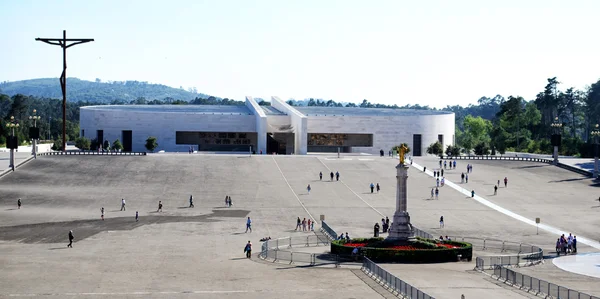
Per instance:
{"type": "Point", "coordinates": [269, 110]}
{"type": "Point", "coordinates": [354, 111]}
{"type": "Point", "coordinates": [194, 109]}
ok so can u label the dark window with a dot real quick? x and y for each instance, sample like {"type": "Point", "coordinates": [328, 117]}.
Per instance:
{"type": "Point", "coordinates": [441, 139]}
{"type": "Point", "coordinates": [416, 150]}
{"type": "Point", "coordinates": [100, 136]}
{"type": "Point", "coordinates": [127, 137]}
{"type": "Point", "coordinates": [82, 133]}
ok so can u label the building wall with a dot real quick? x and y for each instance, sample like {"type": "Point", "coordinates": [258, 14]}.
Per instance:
{"type": "Point", "coordinates": [161, 125]}
{"type": "Point", "coordinates": [299, 123]}
{"type": "Point", "coordinates": [389, 130]}
{"type": "Point", "coordinates": [261, 125]}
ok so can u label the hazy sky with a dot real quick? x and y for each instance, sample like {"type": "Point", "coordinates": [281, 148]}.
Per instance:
{"type": "Point", "coordinates": [394, 52]}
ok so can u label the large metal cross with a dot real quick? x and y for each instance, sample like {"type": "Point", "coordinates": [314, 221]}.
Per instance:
{"type": "Point", "coordinates": [62, 42]}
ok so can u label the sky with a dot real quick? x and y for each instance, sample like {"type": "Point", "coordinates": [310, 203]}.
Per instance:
{"type": "Point", "coordinates": [434, 53]}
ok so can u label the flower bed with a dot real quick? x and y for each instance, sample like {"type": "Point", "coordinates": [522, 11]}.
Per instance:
{"type": "Point", "coordinates": [418, 251]}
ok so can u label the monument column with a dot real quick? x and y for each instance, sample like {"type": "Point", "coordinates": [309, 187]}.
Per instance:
{"type": "Point", "coordinates": [401, 229]}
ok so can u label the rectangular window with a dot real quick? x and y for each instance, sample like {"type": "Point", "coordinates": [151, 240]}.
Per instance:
{"type": "Point", "coordinates": [441, 138]}
{"type": "Point", "coordinates": [82, 133]}
{"type": "Point", "coordinates": [416, 148]}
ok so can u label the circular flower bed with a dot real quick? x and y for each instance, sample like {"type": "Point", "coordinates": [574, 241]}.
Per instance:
{"type": "Point", "coordinates": [417, 251]}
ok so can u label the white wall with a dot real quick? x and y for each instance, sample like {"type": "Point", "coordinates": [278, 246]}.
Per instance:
{"type": "Point", "coordinates": [388, 130]}
{"type": "Point", "coordinates": [161, 125]}
{"type": "Point", "coordinates": [261, 124]}
{"type": "Point", "coordinates": [298, 120]}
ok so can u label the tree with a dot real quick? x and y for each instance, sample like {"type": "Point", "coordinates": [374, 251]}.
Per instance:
{"type": "Point", "coordinates": [94, 145]}
{"type": "Point", "coordinates": [106, 145]}
{"type": "Point", "coordinates": [82, 143]}
{"type": "Point", "coordinates": [435, 149]}
{"type": "Point", "coordinates": [482, 148]}
{"type": "Point", "coordinates": [151, 144]}
{"type": "Point", "coordinates": [57, 145]}
{"type": "Point", "coordinates": [117, 146]}
{"type": "Point", "coordinates": [452, 150]}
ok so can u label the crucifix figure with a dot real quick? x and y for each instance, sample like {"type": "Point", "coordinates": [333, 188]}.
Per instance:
{"type": "Point", "coordinates": [62, 42]}
{"type": "Point", "coordinates": [403, 149]}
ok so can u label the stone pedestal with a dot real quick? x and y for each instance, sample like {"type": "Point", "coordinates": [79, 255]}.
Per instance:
{"type": "Point", "coordinates": [401, 229]}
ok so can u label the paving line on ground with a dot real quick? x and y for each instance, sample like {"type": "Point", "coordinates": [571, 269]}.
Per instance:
{"type": "Point", "coordinates": [341, 181]}
{"type": "Point", "coordinates": [510, 213]}
{"type": "Point", "coordinates": [143, 293]}
{"type": "Point", "coordinates": [293, 192]}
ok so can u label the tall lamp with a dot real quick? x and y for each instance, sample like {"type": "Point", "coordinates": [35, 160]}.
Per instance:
{"type": "Point", "coordinates": [556, 138]}
{"type": "Point", "coordinates": [13, 142]}
{"type": "Point", "coordinates": [34, 133]}
{"type": "Point", "coordinates": [595, 136]}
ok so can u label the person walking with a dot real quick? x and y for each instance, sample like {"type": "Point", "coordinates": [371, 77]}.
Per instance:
{"type": "Point", "coordinates": [308, 188]}
{"type": "Point", "coordinates": [376, 230]}
{"type": "Point", "coordinates": [230, 202]}
{"type": "Point", "coordinates": [137, 216]}
{"type": "Point", "coordinates": [123, 204]}
{"type": "Point", "coordinates": [191, 201]}
{"type": "Point", "coordinates": [19, 203]}
{"type": "Point", "coordinates": [377, 187]}
{"type": "Point", "coordinates": [331, 175]}
{"type": "Point", "coordinates": [159, 206]}
{"type": "Point", "coordinates": [442, 221]}
{"type": "Point", "coordinates": [102, 213]}
{"type": "Point", "coordinates": [437, 193]}
{"type": "Point", "coordinates": [312, 226]}
{"type": "Point", "coordinates": [467, 178]}
{"type": "Point", "coordinates": [462, 177]}
{"type": "Point", "coordinates": [248, 250]}
{"type": "Point", "coordinates": [372, 187]}
{"type": "Point", "coordinates": [308, 224]}
{"type": "Point", "coordinates": [472, 193]}
{"type": "Point", "coordinates": [320, 176]}
{"type": "Point", "coordinates": [454, 164]}
{"type": "Point", "coordinates": [227, 200]}
{"type": "Point", "coordinates": [248, 225]}
{"type": "Point", "coordinates": [71, 237]}
{"type": "Point", "coordinates": [505, 182]}
{"type": "Point", "coordinates": [304, 224]}
{"type": "Point", "coordinates": [495, 189]}
{"type": "Point", "coordinates": [298, 223]}
{"type": "Point", "coordinates": [432, 192]}
{"type": "Point", "coordinates": [337, 176]}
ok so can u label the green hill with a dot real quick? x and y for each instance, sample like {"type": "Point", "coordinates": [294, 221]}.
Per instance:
{"type": "Point", "coordinates": [98, 92]}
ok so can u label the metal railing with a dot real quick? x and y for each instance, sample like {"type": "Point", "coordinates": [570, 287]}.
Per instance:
{"type": "Point", "coordinates": [279, 249]}
{"type": "Point", "coordinates": [422, 234]}
{"type": "Point", "coordinates": [516, 254]}
{"type": "Point", "coordinates": [328, 231]}
{"type": "Point", "coordinates": [537, 286]}
{"type": "Point", "coordinates": [491, 157]}
{"type": "Point", "coordinates": [394, 284]}
{"type": "Point", "coordinates": [92, 153]}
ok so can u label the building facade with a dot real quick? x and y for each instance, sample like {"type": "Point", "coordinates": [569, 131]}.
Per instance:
{"type": "Point", "coordinates": [278, 128]}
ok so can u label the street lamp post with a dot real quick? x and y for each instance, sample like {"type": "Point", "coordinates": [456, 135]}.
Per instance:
{"type": "Point", "coordinates": [556, 138]}
{"type": "Point", "coordinates": [595, 135]}
{"type": "Point", "coordinates": [13, 142]}
{"type": "Point", "coordinates": [34, 133]}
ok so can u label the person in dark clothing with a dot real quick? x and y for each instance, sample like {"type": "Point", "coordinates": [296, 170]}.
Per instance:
{"type": "Point", "coordinates": [159, 206]}
{"type": "Point", "coordinates": [320, 176]}
{"type": "Point", "coordinates": [71, 237]}
{"type": "Point", "coordinates": [19, 203]}
{"type": "Point", "coordinates": [331, 175]}
{"type": "Point", "coordinates": [337, 176]}
{"type": "Point", "coordinates": [191, 201]}
{"type": "Point", "coordinates": [377, 187]}
{"type": "Point", "coordinates": [495, 189]}
{"type": "Point", "coordinates": [376, 230]}
{"type": "Point", "coordinates": [372, 187]}
{"type": "Point", "coordinates": [248, 249]}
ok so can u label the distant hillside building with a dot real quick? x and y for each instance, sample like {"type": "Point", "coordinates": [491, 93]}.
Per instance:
{"type": "Point", "coordinates": [278, 128]}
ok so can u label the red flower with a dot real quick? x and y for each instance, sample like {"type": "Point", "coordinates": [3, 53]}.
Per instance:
{"type": "Point", "coordinates": [355, 244]}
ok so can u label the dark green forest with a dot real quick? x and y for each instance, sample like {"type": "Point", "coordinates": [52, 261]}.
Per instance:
{"type": "Point", "coordinates": [494, 124]}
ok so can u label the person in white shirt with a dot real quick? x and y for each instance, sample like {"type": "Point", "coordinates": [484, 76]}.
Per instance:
{"type": "Point", "coordinates": [123, 204]}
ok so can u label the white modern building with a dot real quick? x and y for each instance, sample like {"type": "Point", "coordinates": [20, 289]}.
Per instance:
{"type": "Point", "coordinates": [277, 128]}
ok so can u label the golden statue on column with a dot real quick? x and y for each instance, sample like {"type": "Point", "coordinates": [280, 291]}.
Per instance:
{"type": "Point", "coordinates": [403, 149]}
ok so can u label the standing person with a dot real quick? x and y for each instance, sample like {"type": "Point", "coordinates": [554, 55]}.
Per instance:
{"type": "Point", "coordinates": [440, 163]}
{"type": "Point", "coordinates": [312, 226]}
{"type": "Point", "coordinates": [462, 177]}
{"type": "Point", "coordinates": [248, 225]}
{"type": "Point", "coordinates": [498, 183]}
{"type": "Point", "coordinates": [437, 182]}
{"type": "Point", "coordinates": [467, 178]}
{"type": "Point", "coordinates": [71, 237]}
{"type": "Point", "coordinates": [248, 249]}
{"type": "Point", "coordinates": [337, 176]}
{"type": "Point", "coordinates": [454, 164]}
{"type": "Point", "coordinates": [432, 193]}
{"type": "Point", "coordinates": [308, 188]}
{"type": "Point", "coordinates": [123, 204]}
{"type": "Point", "coordinates": [472, 193]}
{"type": "Point", "coordinates": [387, 221]}
{"type": "Point", "coordinates": [226, 200]}
{"type": "Point", "coordinates": [298, 223]}
{"type": "Point", "coordinates": [505, 181]}
{"type": "Point", "coordinates": [304, 224]}
{"type": "Point", "coordinates": [495, 189]}
{"type": "Point", "coordinates": [308, 225]}
{"type": "Point", "coordinates": [19, 204]}
{"type": "Point", "coordinates": [320, 176]}
{"type": "Point", "coordinates": [191, 201]}
{"type": "Point", "coordinates": [377, 187]}
{"type": "Point", "coordinates": [442, 171]}
{"type": "Point", "coordinates": [445, 164]}
{"type": "Point", "coordinates": [442, 221]}
{"type": "Point", "coordinates": [230, 203]}
{"type": "Point", "coordinates": [376, 230]}
{"type": "Point", "coordinates": [331, 175]}
{"type": "Point", "coordinates": [102, 213]}
{"type": "Point", "coordinates": [437, 193]}
{"type": "Point", "coordinates": [159, 206]}
{"type": "Point", "coordinates": [137, 216]}
{"type": "Point", "coordinates": [372, 187]}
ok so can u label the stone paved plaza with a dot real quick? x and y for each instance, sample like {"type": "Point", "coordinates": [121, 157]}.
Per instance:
{"type": "Point", "coordinates": [198, 252]}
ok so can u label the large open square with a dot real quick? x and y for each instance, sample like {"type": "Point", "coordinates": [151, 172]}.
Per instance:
{"type": "Point", "coordinates": [197, 252]}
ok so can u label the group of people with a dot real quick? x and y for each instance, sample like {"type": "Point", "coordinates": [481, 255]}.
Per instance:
{"type": "Point", "coordinates": [331, 175]}
{"type": "Point", "coordinates": [228, 201]}
{"type": "Point", "coordinates": [566, 245]}
{"type": "Point", "coordinates": [372, 186]}
{"type": "Point", "coordinates": [385, 224]}
{"type": "Point", "coordinates": [305, 225]}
